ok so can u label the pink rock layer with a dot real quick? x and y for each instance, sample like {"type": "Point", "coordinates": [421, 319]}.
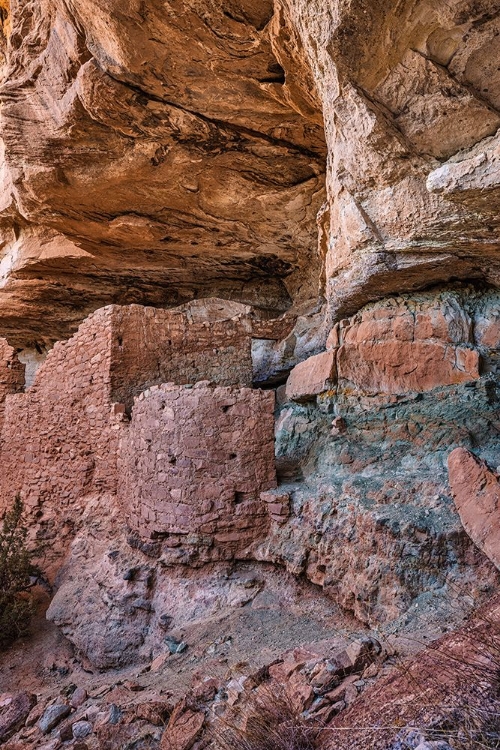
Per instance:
{"type": "Point", "coordinates": [476, 492]}
{"type": "Point", "coordinates": [393, 350]}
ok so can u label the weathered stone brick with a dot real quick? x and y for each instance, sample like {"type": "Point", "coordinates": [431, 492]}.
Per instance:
{"type": "Point", "coordinates": [234, 463]}
{"type": "Point", "coordinates": [59, 440]}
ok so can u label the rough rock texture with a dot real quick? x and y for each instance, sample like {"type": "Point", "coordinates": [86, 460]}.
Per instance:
{"type": "Point", "coordinates": [400, 346]}
{"type": "Point", "coordinates": [159, 155]}
{"type": "Point", "coordinates": [450, 690]}
{"type": "Point", "coordinates": [408, 93]}
{"type": "Point", "coordinates": [476, 492]}
{"type": "Point", "coordinates": [330, 170]}
{"type": "Point", "coordinates": [14, 708]}
{"type": "Point", "coordinates": [168, 151]}
{"type": "Point", "coordinates": [183, 729]}
{"type": "Point", "coordinates": [11, 374]}
{"type": "Point", "coordinates": [194, 461]}
{"type": "Point", "coordinates": [313, 376]}
{"type": "Point", "coordinates": [372, 519]}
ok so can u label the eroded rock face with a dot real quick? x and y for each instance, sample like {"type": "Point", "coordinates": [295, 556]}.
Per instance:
{"type": "Point", "coordinates": [404, 345]}
{"type": "Point", "coordinates": [365, 461]}
{"type": "Point", "coordinates": [156, 152]}
{"type": "Point", "coordinates": [410, 126]}
{"type": "Point", "coordinates": [158, 155]}
{"type": "Point", "coordinates": [161, 152]}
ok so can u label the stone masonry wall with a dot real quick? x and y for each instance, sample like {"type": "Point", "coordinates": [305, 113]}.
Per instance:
{"type": "Point", "coordinates": [192, 465]}
{"type": "Point", "coordinates": [11, 374]}
{"type": "Point", "coordinates": [57, 442]}
{"type": "Point", "coordinates": [151, 346]}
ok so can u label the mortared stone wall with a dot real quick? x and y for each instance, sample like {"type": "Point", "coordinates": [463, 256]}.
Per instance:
{"type": "Point", "coordinates": [194, 460]}
{"type": "Point", "coordinates": [11, 374]}
{"type": "Point", "coordinates": [60, 438]}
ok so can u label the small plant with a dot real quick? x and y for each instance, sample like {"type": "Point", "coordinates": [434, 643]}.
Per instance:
{"type": "Point", "coordinates": [270, 725]}
{"type": "Point", "coordinates": [16, 571]}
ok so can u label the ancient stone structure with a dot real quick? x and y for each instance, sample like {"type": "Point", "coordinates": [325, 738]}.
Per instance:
{"type": "Point", "coordinates": [226, 216]}
{"type": "Point", "coordinates": [60, 440]}
{"type": "Point", "coordinates": [11, 374]}
{"type": "Point", "coordinates": [194, 461]}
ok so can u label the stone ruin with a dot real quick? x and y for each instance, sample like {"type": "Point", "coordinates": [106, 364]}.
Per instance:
{"type": "Point", "coordinates": [183, 460]}
{"type": "Point", "coordinates": [153, 412]}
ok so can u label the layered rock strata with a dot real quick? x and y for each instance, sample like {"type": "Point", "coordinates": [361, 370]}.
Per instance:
{"type": "Point", "coordinates": [159, 156]}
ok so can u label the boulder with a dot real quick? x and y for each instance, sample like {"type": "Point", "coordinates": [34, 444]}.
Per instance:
{"type": "Point", "coordinates": [313, 376]}
{"type": "Point", "coordinates": [52, 716]}
{"type": "Point", "coordinates": [476, 492]}
{"type": "Point", "coordinates": [14, 710]}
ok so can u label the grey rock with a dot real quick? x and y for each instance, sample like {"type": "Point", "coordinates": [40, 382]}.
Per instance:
{"type": "Point", "coordinates": [114, 715]}
{"type": "Point", "coordinates": [175, 646]}
{"type": "Point", "coordinates": [81, 729]}
{"type": "Point", "coordinates": [52, 716]}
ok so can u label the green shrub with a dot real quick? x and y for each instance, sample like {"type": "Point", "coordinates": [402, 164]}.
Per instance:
{"type": "Point", "coordinates": [16, 570]}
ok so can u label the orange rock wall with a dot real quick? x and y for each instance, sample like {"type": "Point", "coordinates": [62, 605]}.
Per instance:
{"type": "Point", "coordinates": [397, 347]}
{"type": "Point", "coordinates": [476, 492]}
{"type": "Point", "coordinates": [194, 461]}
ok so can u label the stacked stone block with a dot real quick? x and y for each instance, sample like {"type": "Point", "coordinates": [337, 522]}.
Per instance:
{"type": "Point", "coordinates": [57, 442]}
{"type": "Point", "coordinates": [11, 374]}
{"type": "Point", "coordinates": [151, 346]}
{"type": "Point", "coordinates": [195, 461]}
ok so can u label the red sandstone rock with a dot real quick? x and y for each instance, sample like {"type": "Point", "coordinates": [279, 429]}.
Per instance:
{"type": "Point", "coordinates": [183, 729]}
{"type": "Point", "coordinates": [154, 711]}
{"type": "Point", "coordinates": [454, 680]}
{"type": "Point", "coordinates": [398, 367]}
{"type": "Point", "coordinates": [476, 492]}
{"type": "Point", "coordinates": [14, 709]}
{"type": "Point", "coordinates": [11, 374]}
{"type": "Point", "coordinates": [311, 377]}
{"type": "Point", "coordinates": [299, 691]}
{"type": "Point", "coordinates": [399, 348]}
{"type": "Point", "coordinates": [487, 331]}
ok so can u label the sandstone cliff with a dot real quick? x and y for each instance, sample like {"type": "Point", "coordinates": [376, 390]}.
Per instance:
{"type": "Point", "coordinates": [250, 367]}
